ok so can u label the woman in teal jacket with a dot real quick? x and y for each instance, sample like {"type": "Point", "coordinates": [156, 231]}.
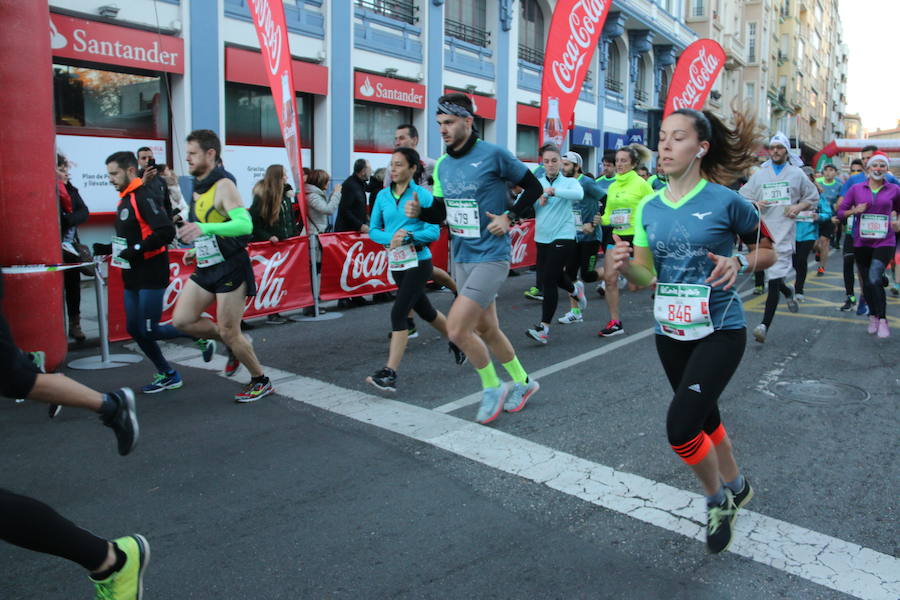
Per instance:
{"type": "Point", "coordinates": [406, 241]}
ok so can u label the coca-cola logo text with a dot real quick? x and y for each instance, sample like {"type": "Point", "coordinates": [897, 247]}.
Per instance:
{"type": "Point", "coordinates": [364, 268]}
{"type": "Point", "coordinates": [519, 239]}
{"type": "Point", "coordinates": [584, 29]}
{"type": "Point", "coordinates": [271, 33]}
{"type": "Point", "coordinates": [270, 289]}
{"type": "Point", "coordinates": [701, 73]}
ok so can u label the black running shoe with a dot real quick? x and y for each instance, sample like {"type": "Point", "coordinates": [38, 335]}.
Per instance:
{"type": "Point", "coordinates": [718, 524]}
{"type": "Point", "coordinates": [124, 422]}
{"type": "Point", "coordinates": [458, 355]}
{"type": "Point", "coordinates": [744, 496]}
{"type": "Point", "coordinates": [385, 380]}
{"type": "Point", "coordinates": [849, 304]}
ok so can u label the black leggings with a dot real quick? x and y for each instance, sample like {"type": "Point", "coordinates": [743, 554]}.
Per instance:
{"type": "Point", "coordinates": [776, 286]}
{"type": "Point", "coordinates": [849, 260]}
{"type": "Point", "coordinates": [800, 258]}
{"type": "Point", "coordinates": [31, 524]}
{"type": "Point", "coordinates": [584, 259]}
{"type": "Point", "coordinates": [698, 372]}
{"type": "Point", "coordinates": [72, 286]}
{"type": "Point", "coordinates": [872, 263]}
{"type": "Point", "coordinates": [411, 295]}
{"type": "Point", "coordinates": [552, 259]}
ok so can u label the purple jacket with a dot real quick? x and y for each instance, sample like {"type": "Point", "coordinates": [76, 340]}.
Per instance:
{"type": "Point", "coordinates": [886, 200]}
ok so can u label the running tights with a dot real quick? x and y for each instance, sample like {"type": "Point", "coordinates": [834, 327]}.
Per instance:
{"type": "Point", "coordinates": [143, 309]}
{"type": "Point", "coordinates": [698, 371]}
{"type": "Point", "coordinates": [584, 259]}
{"type": "Point", "coordinates": [776, 286]}
{"type": "Point", "coordinates": [411, 295]}
{"type": "Point", "coordinates": [800, 258]}
{"type": "Point", "coordinates": [552, 259]}
{"type": "Point", "coordinates": [31, 524]}
{"type": "Point", "coordinates": [849, 260]}
{"type": "Point", "coordinates": [872, 263]}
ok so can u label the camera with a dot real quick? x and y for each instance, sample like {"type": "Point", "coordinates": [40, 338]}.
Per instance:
{"type": "Point", "coordinates": [151, 162]}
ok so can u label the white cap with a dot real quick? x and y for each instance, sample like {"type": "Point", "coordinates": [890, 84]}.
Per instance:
{"type": "Point", "coordinates": [573, 157]}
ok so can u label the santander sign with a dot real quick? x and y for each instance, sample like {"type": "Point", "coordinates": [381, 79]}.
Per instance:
{"type": "Point", "coordinates": [696, 71]}
{"type": "Point", "coordinates": [574, 32]}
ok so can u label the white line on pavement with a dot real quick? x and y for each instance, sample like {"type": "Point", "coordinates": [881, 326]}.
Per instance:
{"type": "Point", "coordinates": [819, 558]}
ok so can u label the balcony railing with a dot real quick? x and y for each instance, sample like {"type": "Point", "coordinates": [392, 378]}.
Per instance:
{"type": "Point", "coordinates": [467, 33]}
{"type": "Point", "coordinates": [641, 96]}
{"type": "Point", "coordinates": [401, 10]}
{"type": "Point", "coordinates": [615, 86]}
{"type": "Point", "coordinates": [532, 55]}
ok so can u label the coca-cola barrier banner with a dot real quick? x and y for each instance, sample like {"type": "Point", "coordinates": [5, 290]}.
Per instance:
{"type": "Point", "coordinates": [696, 71]}
{"type": "Point", "coordinates": [282, 277]}
{"type": "Point", "coordinates": [271, 29]}
{"type": "Point", "coordinates": [573, 35]}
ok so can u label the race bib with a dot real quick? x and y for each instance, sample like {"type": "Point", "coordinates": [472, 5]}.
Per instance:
{"type": "Point", "coordinates": [776, 194]}
{"type": "Point", "coordinates": [463, 217]}
{"type": "Point", "coordinates": [873, 227]}
{"type": "Point", "coordinates": [576, 217]}
{"type": "Point", "coordinates": [208, 253]}
{"type": "Point", "coordinates": [403, 258]}
{"type": "Point", "coordinates": [118, 245]}
{"type": "Point", "coordinates": [806, 216]}
{"type": "Point", "coordinates": [682, 310]}
{"type": "Point", "coordinates": [620, 218]}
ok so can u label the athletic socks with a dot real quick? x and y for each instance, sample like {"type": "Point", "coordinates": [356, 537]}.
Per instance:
{"type": "Point", "coordinates": [117, 566]}
{"type": "Point", "coordinates": [515, 370]}
{"type": "Point", "coordinates": [260, 379]}
{"type": "Point", "coordinates": [109, 407]}
{"type": "Point", "coordinates": [717, 498]}
{"type": "Point", "coordinates": [489, 377]}
{"type": "Point", "coordinates": [737, 484]}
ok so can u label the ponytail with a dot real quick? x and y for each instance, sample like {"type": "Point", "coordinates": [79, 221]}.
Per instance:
{"type": "Point", "coordinates": [731, 150]}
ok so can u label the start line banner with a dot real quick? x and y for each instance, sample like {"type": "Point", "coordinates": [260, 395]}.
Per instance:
{"type": "Point", "coordinates": [281, 270]}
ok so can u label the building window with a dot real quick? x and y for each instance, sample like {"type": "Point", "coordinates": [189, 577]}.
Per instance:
{"type": "Point", "coordinates": [749, 93]}
{"type": "Point", "coordinates": [531, 32]}
{"type": "Point", "coordinates": [401, 10]}
{"type": "Point", "coordinates": [527, 143]}
{"type": "Point", "coordinates": [614, 70]}
{"type": "Point", "coordinates": [110, 103]}
{"type": "Point", "coordinates": [466, 20]}
{"type": "Point", "coordinates": [816, 40]}
{"type": "Point", "coordinates": [251, 118]}
{"type": "Point", "coordinates": [751, 42]}
{"type": "Point", "coordinates": [697, 8]}
{"type": "Point", "coordinates": [640, 88]}
{"type": "Point", "coordinates": [663, 88]}
{"type": "Point", "coordinates": [374, 125]}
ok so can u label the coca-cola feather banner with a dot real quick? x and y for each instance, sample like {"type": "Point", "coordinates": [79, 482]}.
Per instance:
{"type": "Point", "coordinates": [696, 71]}
{"type": "Point", "coordinates": [573, 35]}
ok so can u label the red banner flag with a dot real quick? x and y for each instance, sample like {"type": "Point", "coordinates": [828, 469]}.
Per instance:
{"type": "Point", "coordinates": [696, 71]}
{"type": "Point", "coordinates": [524, 251]}
{"type": "Point", "coordinates": [281, 271]}
{"type": "Point", "coordinates": [574, 32]}
{"type": "Point", "coordinates": [271, 29]}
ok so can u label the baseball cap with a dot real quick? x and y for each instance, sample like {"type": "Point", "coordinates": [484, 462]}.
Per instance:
{"type": "Point", "coordinates": [573, 157]}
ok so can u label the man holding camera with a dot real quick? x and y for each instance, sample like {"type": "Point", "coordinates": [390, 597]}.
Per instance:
{"type": "Point", "coordinates": [162, 185]}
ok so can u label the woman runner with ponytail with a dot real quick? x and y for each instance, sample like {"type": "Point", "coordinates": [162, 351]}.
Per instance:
{"type": "Point", "coordinates": [683, 238]}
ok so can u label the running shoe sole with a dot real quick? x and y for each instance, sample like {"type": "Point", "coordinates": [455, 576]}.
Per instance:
{"type": "Point", "coordinates": [619, 332]}
{"type": "Point", "coordinates": [380, 388]}
{"type": "Point", "coordinates": [525, 397]}
{"type": "Point", "coordinates": [144, 553]}
{"type": "Point", "coordinates": [249, 399]}
{"type": "Point", "coordinates": [536, 338]}
{"type": "Point", "coordinates": [504, 392]}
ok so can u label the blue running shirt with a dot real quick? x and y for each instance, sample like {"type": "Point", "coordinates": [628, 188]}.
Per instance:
{"type": "Point", "coordinates": [680, 234]}
{"type": "Point", "coordinates": [482, 175]}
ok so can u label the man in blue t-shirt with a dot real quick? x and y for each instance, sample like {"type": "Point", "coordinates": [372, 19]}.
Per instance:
{"type": "Point", "coordinates": [470, 192]}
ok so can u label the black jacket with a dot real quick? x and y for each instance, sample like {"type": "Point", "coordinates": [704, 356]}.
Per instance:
{"type": "Point", "coordinates": [351, 214]}
{"type": "Point", "coordinates": [78, 215]}
{"type": "Point", "coordinates": [152, 230]}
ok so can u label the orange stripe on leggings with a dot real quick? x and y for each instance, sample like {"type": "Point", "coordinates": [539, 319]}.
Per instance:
{"type": "Point", "coordinates": [718, 435]}
{"type": "Point", "coordinates": [695, 450]}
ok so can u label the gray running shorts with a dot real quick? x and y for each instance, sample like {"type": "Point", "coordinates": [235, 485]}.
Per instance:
{"type": "Point", "coordinates": [481, 281]}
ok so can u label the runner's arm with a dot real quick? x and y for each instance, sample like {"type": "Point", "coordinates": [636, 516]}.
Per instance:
{"type": "Point", "coordinates": [239, 222]}
{"type": "Point", "coordinates": [159, 222]}
{"type": "Point", "coordinates": [532, 190]}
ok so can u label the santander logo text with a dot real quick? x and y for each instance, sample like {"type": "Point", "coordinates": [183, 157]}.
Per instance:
{"type": "Point", "coordinates": [701, 72]}
{"type": "Point", "coordinates": [271, 32]}
{"type": "Point", "coordinates": [362, 269]}
{"type": "Point", "coordinates": [584, 29]}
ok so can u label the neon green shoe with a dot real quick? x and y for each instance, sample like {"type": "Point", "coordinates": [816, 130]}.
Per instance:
{"type": "Point", "coordinates": [128, 582]}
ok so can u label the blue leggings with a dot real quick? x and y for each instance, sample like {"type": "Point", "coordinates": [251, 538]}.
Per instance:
{"type": "Point", "coordinates": [143, 309]}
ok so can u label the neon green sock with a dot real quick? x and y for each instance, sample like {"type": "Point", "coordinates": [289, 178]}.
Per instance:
{"type": "Point", "coordinates": [488, 376]}
{"type": "Point", "coordinates": [515, 370]}
{"type": "Point", "coordinates": [576, 311]}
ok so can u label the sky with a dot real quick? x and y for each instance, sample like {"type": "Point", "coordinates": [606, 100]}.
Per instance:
{"type": "Point", "coordinates": [871, 28]}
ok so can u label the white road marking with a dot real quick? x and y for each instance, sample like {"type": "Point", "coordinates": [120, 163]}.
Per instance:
{"type": "Point", "coordinates": [819, 558]}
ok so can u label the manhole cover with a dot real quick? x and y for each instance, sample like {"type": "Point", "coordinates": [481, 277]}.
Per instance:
{"type": "Point", "coordinates": [812, 391]}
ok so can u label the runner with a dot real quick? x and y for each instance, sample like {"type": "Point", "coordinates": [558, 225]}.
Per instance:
{"type": "Point", "coordinates": [554, 235]}
{"type": "Point", "coordinates": [622, 199]}
{"type": "Point", "coordinates": [409, 260]}
{"type": "Point", "coordinates": [605, 180]}
{"type": "Point", "coordinates": [658, 180]}
{"type": "Point", "coordinates": [115, 566]}
{"type": "Point", "coordinates": [807, 234]}
{"type": "Point", "coordinates": [143, 231]}
{"type": "Point", "coordinates": [780, 190]}
{"type": "Point", "coordinates": [684, 236]}
{"type": "Point", "coordinates": [831, 189]}
{"type": "Point", "coordinates": [587, 236]}
{"type": "Point", "coordinates": [876, 204]}
{"type": "Point", "coordinates": [470, 191]}
{"type": "Point", "coordinates": [220, 228]}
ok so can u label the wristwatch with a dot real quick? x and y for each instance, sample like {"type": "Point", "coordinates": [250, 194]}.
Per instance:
{"type": "Point", "coordinates": [742, 260]}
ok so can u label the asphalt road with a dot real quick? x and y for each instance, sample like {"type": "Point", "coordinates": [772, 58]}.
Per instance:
{"type": "Point", "coordinates": [293, 498]}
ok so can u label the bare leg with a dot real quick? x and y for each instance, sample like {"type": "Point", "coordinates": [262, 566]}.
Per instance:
{"type": "Point", "coordinates": [463, 314]}
{"type": "Point", "coordinates": [59, 389]}
{"type": "Point", "coordinates": [707, 471]}
{"type": "Point", "coordinates": [188, 312]}
{"type": "Point", "coordinates": [490, 332]}
{"type": "Point", "coordinates": [824, 247]}
{"type": "Point", "coordinates": [440, 324]}
{"type": "Point", "coordinates": [229, 310]}
{"type": "Point", "coordinates": [612, 288]}
{"type": "Point", "coordinates": [728, 468]}
{"type": "Point", "coordinates": [398, 348]}
{"type": "Point", "coordinates": [443, 278]}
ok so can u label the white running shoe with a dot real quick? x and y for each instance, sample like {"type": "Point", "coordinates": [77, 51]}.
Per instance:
{"type": "Point", "coordinates": [578, 294]}
{"type": "Point", "coordinates": [571, 317]}
{"type": "Point", "coordinates": [760, 333]}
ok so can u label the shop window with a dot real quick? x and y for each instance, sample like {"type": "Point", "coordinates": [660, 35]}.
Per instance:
{"type": "Point", "coordinates": [374, 125]}
{"type": "Point", "coordinates": [252, 120]}
{"type": "Point", "coordinates": [527, 143]}
{"type": "Point", "coordinates": [110, 103]}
